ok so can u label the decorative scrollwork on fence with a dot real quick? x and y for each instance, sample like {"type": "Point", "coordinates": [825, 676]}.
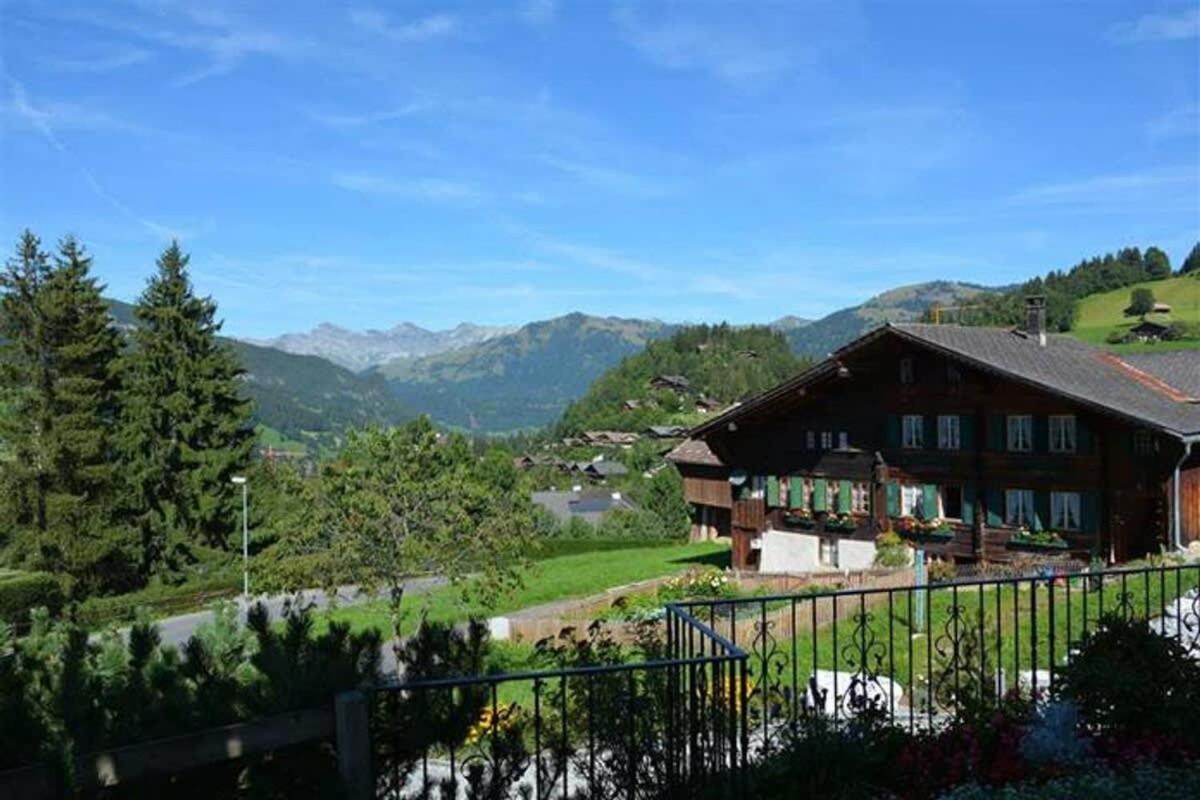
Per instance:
{"type": "Point", "coordinates": [949, 648]}
{"type": "Point", "coordinates": [1189, 623]}
{"type": "Point", "coordinates": [864, 655]}
{"type": "Point", "coordinates": [1125, 607]}
{"type": "Point", "coordinates": [767, 696]}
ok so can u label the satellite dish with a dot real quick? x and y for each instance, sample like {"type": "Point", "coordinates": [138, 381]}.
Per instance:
{"type": "Point", "coordinates": [738, 477]}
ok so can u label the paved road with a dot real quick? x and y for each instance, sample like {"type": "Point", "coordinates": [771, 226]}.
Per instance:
{"type": "Point", "coordinates": [177, 630]}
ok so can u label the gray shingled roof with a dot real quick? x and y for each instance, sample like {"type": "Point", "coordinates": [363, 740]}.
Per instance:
{"type": "Point", "coordinates": [1178, 368]}
{"type": "Point", "coordinates": [1065, 366]}
{"type": "Point", "coordinates": [589, 505]}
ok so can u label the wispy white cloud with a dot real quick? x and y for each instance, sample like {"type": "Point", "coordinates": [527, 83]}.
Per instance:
{"type": "Point", "coordinates": [222, 40]}
{"type": "Point", "coordinates": [366, 118]}
{"type": "Point", "coordinates": [1177, 123]}
{"type": "Point", "coordinates": [1163, 27]}
{"type": "Point", "coordinates": [1119, 188]}
{"type": "Point", "coordinates": [728, 54]}
{"type": "Point", "coordinates": [608, 178]}
{"type": "Point", "coordinates": [109, 60]}
{"type": "Point", "coordinates": [430, 189]}
{"type": "Point", "coordinates": [43, 121]}
{"type": "Point", "coordinates": [434, 26]}
{"type": "Point", "coordinates": [538, 12]}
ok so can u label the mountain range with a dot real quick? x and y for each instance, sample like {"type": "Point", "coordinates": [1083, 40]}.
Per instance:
{"type": "Point", "coordinates": [309, 387]}
{"type": "Point", "coordinates": [359, 350]}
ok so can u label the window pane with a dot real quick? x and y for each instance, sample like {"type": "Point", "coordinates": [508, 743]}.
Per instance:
{"type": "Point", "coordinates": [952, 502]}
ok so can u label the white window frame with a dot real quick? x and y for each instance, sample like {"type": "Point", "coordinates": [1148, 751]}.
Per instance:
{"type": "Point", "coordinates": [826, 440]}
{"type": "Point", "coordinates": [912, 500]}
{"type": "Point", "coordinates": [1066, 511]}
{"type": "Point", "coordinates": [827, 551]}
{"type": "Point", "coordinates": [949, 432]}
{"type": "Point", "coordinates": [1063, 433]}
{"type": "Point", "coordinates": [1020, 433]}
{"type": "Point", "coordinates": [810, 440]}
{"type": "Point", "coordinates": [912, 431]}
{"type": "Point", "coordinates": [843, 440]}
{"type": "Point", "coordinates": [908, 372]}
{"type": "Point", "coordinates": [860, 498]}
{"type": "Point", "coordinates": [1018, 508]}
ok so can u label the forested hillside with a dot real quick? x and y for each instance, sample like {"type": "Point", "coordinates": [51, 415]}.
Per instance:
{"type": "Point", "coordinates": [522, 380]}
{"type": "Point", "coordinates": [720, 362]}
{"type": "Point", "coordinates": [903, 304]}
{"type": "Point", "coordinates": [1064, 288]}
{"type": "Point", "coordinates": [304, 398]}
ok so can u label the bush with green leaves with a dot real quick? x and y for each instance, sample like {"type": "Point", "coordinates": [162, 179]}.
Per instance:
{"type": "Point", "coordinates": [1128, 680]}
{"type": "Point", "coordinates": [891, 551]}
{"type": "Point", "coordinates": [65, 693]}
{"type": "Point", "coordinates": [21, 592]}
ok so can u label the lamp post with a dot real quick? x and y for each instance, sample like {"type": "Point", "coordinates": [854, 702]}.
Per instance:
{"type": "Point", "coordinates": [240, 480]}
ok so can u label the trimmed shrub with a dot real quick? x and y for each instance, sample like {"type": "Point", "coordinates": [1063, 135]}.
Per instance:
{"type": "Point", "coordinates": [23, 591]}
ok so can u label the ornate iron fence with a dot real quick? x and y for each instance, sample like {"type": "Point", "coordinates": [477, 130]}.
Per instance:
{"type": "Point", "coordinates": [720, 680]}
{"type": "Point", "coordinates": [920, 654]}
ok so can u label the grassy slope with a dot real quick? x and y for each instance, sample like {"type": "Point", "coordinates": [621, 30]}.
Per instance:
{"type": "Point", "coordinates": [550, 580]}
{"type": "Point", "coordinates": [1099, 314]}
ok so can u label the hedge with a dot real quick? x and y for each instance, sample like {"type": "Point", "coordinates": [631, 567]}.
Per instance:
{"type": "Point", "coordinates": [22, 591]}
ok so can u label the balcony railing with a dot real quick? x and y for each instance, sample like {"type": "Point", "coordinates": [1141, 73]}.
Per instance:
{"type": "Point", "coordinates": [717, 682]}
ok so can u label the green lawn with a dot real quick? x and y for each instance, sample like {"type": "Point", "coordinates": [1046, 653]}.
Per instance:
{"type": "Point", "coordinates": [546, 581]}
{"type": "Point", "coordinates": [1100, 314]}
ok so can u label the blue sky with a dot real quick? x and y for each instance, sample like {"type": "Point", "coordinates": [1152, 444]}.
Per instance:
{"type": "Point", "coordinates": [688, 161]}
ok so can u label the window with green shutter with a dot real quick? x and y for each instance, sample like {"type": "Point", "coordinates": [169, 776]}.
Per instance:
{"type": "Point", "coordinates": [892, 490]}
{"type": "Point", "coordinates": [995, 507]}
{"type": "Point", "coordinates": [773, 491]}
{"type": "Point", "coordinates": [929, 501]}
{"type": "Point", "coordinates": [820, 500]}
{"type": "Point", "coordinates": [844, 497]}
{"type": "Point", "coordinates": [968, 504]}
{"type": "Point", "coordinates": [796, 492]}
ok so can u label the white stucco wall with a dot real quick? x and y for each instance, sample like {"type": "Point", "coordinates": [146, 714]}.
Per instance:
{"type": "Point", "coordinates": [855, 554]}
{"type": "Point", "coordinates": [789, 552]}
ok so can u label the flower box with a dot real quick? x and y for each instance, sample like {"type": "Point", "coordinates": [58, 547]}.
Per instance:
{"type": "Point", "coordinates": [1023, 540]}
{"type": "Point", "coordinates": [799, 521]}
{"type": "Point", "coordinates": [842, 524]}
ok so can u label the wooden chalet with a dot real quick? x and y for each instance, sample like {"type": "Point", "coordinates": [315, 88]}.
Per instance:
{"type": "Point", "coordinates": [976, 443]}
{"type": "Point", "coordinates": [1149, 331]}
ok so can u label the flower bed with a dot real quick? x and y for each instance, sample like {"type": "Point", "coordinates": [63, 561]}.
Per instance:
{"type": "Point", "coordinates": [1037, 540]}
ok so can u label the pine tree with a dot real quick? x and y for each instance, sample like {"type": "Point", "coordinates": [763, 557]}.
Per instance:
{"type": "Point", "coordinates": [26, 378]}
{"type": "Point", "coordinates": [1158, 264]}
{"type": "Point", "coordinates": [82, 538]}
{"type": "Point", "coordinates": [184, 429]}
{"type": "Point", "coordinates": [1192, 262]}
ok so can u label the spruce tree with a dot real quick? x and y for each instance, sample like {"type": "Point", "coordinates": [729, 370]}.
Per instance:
{"type": "Point", "coordinates": [26, 377]}
{"type": "Point", "coordinates": [184, 428]}
{"type": "Point", "coordinates": [1191, 264]}
{"type": "Point", "coordinates": [83, 537]}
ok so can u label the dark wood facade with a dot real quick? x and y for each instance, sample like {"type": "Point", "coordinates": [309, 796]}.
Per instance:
{"type": "Point", "coordinates": [844, 427]}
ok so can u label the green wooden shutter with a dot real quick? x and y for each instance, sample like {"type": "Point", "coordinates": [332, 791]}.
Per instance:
{"type": "Point", "coordinates": [1041, 436]}
{"type": "Point", "coordinates": [819, 495]}
{"type": "Point", "coordinates": [929, 505]}
{"type": "Point", "coordinates": [966, 431]}
{"type": "Point", "coordinates": [996, 432]}
{"type": "Point", "coordinates": [968, 504]}
{"type": "Point", "coordinates": [844, 497]}
{"type": "Point", "coordinates": [796, 492]}
{"type": "Point", "coordinates": [1041, 511]}
{"type": "Point", "coordinates": [773, 491]}
{"type": "Point", "coordinates": [893, 498]}
{"type": "Point", "coordinates": [1089, 512]}
{"type": "Point", "coordinates": [893, 430]}
{"type": "Point", "coordinates": [930, 432]}
{"type": "Point", "coordinates": [995, 507]}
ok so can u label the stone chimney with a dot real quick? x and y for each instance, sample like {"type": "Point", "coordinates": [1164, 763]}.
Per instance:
{"type": "Point", "coordinates": [1035, 317]}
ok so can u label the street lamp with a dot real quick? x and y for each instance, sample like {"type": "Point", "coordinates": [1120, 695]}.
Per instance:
{"type": "Point", "coordinates": [240, 480]}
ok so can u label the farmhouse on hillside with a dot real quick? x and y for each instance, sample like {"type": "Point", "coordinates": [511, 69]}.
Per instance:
{"type": "Point", "coordinates": [979, 443]}
{"type": "Point", "coordinates": [1149, 331]}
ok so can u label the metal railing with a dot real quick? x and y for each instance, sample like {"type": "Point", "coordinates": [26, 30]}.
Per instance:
{"type": "Point", "coordinates": [720, 680]}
